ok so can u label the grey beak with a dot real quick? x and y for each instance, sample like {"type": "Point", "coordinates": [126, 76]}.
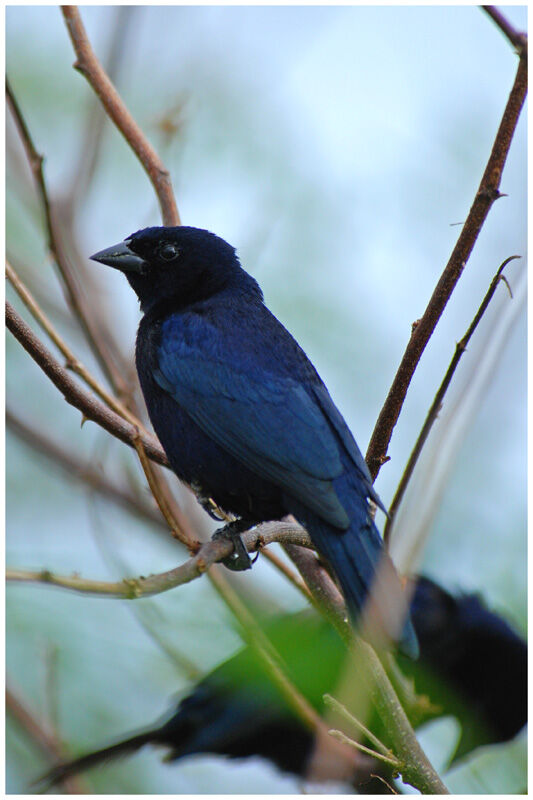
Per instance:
{"type": "Point", "coordinates": [121, 257]}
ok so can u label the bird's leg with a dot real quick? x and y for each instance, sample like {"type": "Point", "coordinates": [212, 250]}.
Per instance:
{"type": "Point", "coordinates": [209, 505]}
{"type": "Point", "coordinates": [239, 559]}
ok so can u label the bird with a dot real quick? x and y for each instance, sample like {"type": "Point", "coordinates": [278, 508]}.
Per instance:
{"type": "Point", "coordinates": [472, 665]}
{"type": "Point", "coordinates": [243, 416]}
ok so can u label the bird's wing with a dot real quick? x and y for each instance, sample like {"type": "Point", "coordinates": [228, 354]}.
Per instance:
{"type": "Point", "coordinates": [337, 420]}
{"type": "Point", "coordinates": [270, 423]}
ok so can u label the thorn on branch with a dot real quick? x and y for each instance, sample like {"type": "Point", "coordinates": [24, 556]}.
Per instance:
{"type": "Point", "coordinates": [489, 193]}
{"type": "Point", "coordinates": [504, 279]}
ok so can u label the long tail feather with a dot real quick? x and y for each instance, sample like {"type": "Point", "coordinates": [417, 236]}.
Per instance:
{"type": "Point", "coordinates": [362, 566]}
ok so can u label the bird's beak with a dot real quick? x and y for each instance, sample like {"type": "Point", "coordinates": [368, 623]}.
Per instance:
{"type": "Point", "coordinates": [121, 257]}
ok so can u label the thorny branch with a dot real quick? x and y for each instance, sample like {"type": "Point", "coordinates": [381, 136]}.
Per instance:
{"type": "Point", "coordinates": [487, 193]}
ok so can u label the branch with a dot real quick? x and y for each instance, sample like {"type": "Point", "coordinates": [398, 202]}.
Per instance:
{"type": "Point", "coordinates": [93, 128]}
{"type": "Point", "coordinates": [42, 736]}
{"type": "Point", "coordinates": [487, 193]}
{"type": "Point", "coordinates": [517, 38]}
{"type": "Point", "coordinates": [343, 712]}
{"type": "Point", "coordinates": [74, 394]}
{"type": "Point", "coordinates": [438, 400]}
{"type": "Point", "coordinates": [391, 761]}
{"type": "Point", "coordinates": [175, 519]}
{"type": "Point", "coordinates": [133, 588]}
{"type": "Point", "coordinates": [82, 471]}
{"type": "Point", "coordinates": [97, 338]}
{"type": "Point", "coordinates": [88, 65]}
{"type": "Point", "coordinates": [72, 362]}
{"type": "Point", "coordinates": [416, 768]}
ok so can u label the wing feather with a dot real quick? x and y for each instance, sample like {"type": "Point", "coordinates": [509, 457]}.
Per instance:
{"type": "Point", "coordinates": [268, 422]}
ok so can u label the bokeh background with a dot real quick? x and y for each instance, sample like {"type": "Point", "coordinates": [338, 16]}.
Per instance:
{"type": "Point", "coordinates": [337, 149]}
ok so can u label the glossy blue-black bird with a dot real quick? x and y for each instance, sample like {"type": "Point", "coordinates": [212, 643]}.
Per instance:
{"type": "Point", "coordinates": [241, 412]}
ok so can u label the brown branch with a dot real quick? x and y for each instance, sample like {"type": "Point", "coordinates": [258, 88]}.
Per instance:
{"type": "Point", "coordinates": [74, 394]}
{"type": "Point", "coordinates": [85, 315]}
{"type": "Point", "coordinates": [42, 736]}
{"type": "Point", "coordinates": [326, 595]}
{"type": "Point", "coordinates": [93, 128]}
{"type": "Point", "coordinates": [82, 471]}
{"type": "Point", "coordinates": [487, 193]}
{"type": "Point", "coordinates": [517, 38]}
{"type": "Point", "coordinates": [437, 402]}
{"type": "Point", "coordinates": [133, 588]}
{"type": "Point", "coordinates": [88, 65]}
{"type": "Point", "coordinates": [72, 362]}
{"type": "Point", "coordinates": [175, 519]}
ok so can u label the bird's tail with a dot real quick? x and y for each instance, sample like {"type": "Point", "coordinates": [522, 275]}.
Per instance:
{"type": "Point", "coordinates": [365, 572]}
{"type": "Point", "coordinates": [70, 768]}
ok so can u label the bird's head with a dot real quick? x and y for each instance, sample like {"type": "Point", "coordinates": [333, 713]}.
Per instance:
{"type": "Point", "coordinates": [180, 265]}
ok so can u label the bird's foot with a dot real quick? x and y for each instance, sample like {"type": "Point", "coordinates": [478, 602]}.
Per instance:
{"type": "Point", "coordinates": [239, 559]}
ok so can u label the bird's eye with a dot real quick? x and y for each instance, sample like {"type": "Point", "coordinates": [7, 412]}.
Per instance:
{"type": "Point", "coordinates": [168, 252]}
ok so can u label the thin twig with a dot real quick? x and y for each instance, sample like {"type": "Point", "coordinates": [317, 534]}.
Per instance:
{"type": "Point", "coordinates": [83, 471]}
{"type": "Point", "coordinates": [341, 737]}
{"type": "Point", "coordinates": [73, 362]}
{"type": "Point", "coordinates": [327, 596]}
{"type": "Point", "coordinates": [340, 709]}
{"type": "Point", "coordinates": [517, 38]}
{"type": "Point", "coordinates": [42, 736]}
{"type": "Point", "coordinates": [438, 400]}
{"type": "Point", "coordinates": [74, 394]}
{"type": "Point", "coordinates": [176, 520]}
{"type": "Point", "coordinates": [86, 316]}
{"type": "Point", "coordinates": [88, 65]}
{"type": "Point", "coordinates": [487, 193]}
{"type": "Point", "coordinates": [94, 126]}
